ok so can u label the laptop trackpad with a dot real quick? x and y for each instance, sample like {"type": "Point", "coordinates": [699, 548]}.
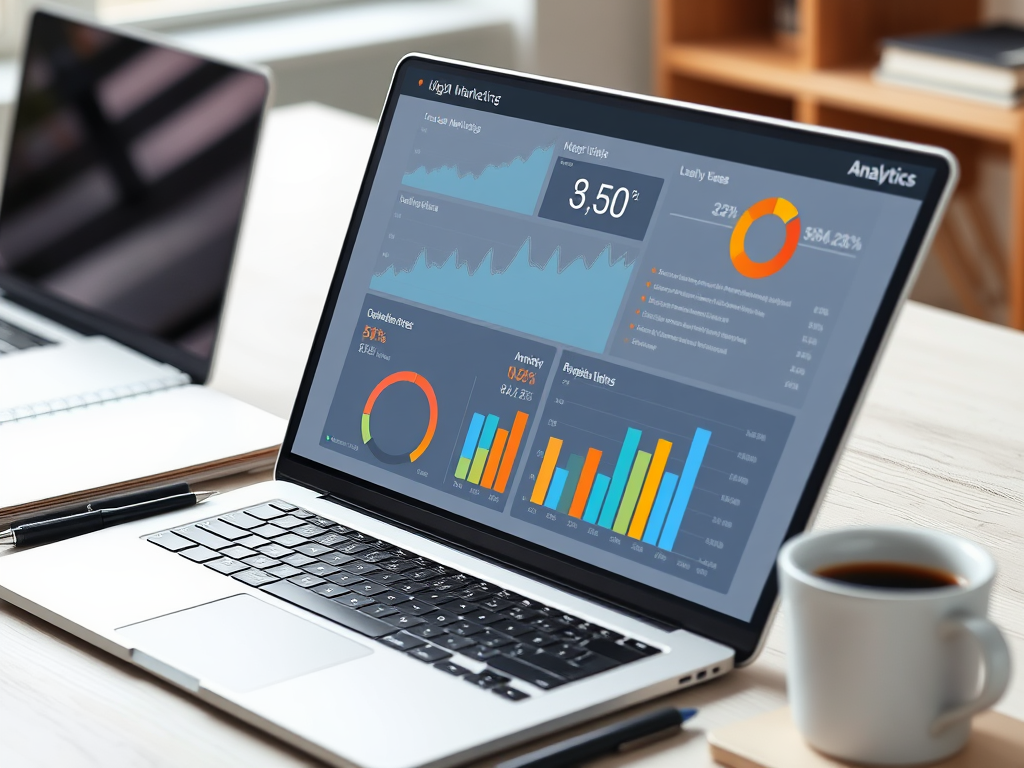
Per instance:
{"type": "Point", "coordinates": [240, 643]}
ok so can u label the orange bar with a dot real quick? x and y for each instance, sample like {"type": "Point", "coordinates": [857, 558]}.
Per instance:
{"type": "Point", "coordinates": [579, 500]}
{"type": "Point", "coordinates": [547, 469]}
{"type": "Point", "coordinates": [491, 468]}
{"type": "Point", "coordinates": [509, 459]}
{"type": "Point", "coordinates": [650, 489]}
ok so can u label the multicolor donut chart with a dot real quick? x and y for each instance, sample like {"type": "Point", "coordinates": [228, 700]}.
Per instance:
{"type": "Point", "coordinates": [770, 206]}
{"type": "Point", "coordinates": [394, 378]}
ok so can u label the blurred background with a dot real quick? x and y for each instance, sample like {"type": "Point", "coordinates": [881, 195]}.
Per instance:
{"type": "Point", "coordinates": [809, 60]}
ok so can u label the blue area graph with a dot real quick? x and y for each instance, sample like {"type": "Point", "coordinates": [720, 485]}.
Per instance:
{"type": "Point", "coordinates": [513, 186]}
{"type": "Point", "coordinates": [576, 305]}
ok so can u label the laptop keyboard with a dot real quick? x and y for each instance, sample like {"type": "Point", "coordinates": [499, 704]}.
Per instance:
{"type": "Point", "coordinates": [410, 603]}
{"type": "Point", "coordinates": [13, 338]}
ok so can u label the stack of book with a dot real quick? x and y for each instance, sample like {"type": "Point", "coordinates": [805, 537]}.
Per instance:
{"type": "Point", "coordinates": [984, 64]}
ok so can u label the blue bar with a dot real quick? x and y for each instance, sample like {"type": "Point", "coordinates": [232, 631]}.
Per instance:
{"type": "Point", "coordinates": [555, 489]}
{"type": "Point", "coordinates": [686, 481]}
{"type": "Point", "coordinates": [597, 492]}
{"type": "Point", "coordinates": [657, 518]}
{"type": "Point", "coordinates": [490, 427]}
{"type": "Point", "coordinates": [619, 478]}
{"type": "Point", "coordinates": [469, 447]}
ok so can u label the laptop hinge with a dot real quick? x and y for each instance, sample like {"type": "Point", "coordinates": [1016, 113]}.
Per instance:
{"type": "Point", "coordinates": [657, 623]}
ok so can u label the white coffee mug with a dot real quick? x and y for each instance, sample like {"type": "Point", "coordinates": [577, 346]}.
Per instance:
{"type": "Point", "coordinates": [889, 676]}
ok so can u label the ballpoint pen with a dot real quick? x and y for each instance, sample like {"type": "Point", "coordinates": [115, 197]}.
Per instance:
{"type": "Point", "coordinates": [43, 531]}
{"type": "Point", "coordinates": [603, 741]}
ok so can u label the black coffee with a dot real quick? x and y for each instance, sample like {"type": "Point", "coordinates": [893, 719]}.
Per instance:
{"type": "Point", "coordinates": [890, 575]}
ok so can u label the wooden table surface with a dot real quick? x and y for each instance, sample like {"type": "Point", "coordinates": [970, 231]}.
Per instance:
{"type": "Point", "coordinates": [939, 443]}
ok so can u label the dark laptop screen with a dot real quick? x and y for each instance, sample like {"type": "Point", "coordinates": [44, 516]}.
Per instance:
{"type": "Point", "coordinates": [125, 183]}
{"type": "Point", "coordinates": [614, 331]}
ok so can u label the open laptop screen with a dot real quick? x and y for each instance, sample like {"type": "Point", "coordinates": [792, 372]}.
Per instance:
{"type": "Point", "coordinates": [618, 331]}
{"type": "Point", "coordinates": [125, 184]}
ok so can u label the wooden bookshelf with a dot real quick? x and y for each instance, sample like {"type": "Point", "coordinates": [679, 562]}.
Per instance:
{"type": "Point", "coordinates": [726, 53]}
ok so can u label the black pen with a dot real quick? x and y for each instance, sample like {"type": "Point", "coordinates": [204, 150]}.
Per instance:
{"type": "Point", "coordinates": [603, 741]}
{"type": "Point", "coordinates": [34, 532]}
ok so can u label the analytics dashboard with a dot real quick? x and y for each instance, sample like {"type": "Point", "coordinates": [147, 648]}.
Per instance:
{"type": "Point", "coordinates": [626, 349]}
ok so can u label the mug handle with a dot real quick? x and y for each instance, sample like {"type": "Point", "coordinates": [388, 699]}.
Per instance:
{"type": "Point", "coordinates": [996, 661]}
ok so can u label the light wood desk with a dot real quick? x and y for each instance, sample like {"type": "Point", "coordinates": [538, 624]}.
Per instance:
{"type": "Point", "coordinates": [939, 443]}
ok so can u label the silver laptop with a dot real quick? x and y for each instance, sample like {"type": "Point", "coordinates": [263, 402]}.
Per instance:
{"type": "Point", "coordinates": [587, 361]}
{"type": "Point", "coordinates": [125, 184]}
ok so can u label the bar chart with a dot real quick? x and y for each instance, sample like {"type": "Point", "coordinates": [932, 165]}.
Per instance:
{"type": "Point", "coordinates": [639, 500]}
{"type": "Point", "coordinates": [651, 469]}
{"type": "Point", "coordinates": [489, 452]}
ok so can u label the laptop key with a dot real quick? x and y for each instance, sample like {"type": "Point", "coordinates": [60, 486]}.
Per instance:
{"type": "Point", "coordinates": [238, 553]}
{"type": "Point", "coordinates": [264, 512]}
{"type": "Point", "coordinates": [320, 569]}
{"type": "Point", "coordinates": [510, 694]}
{"type": "Point", "coordinates": [343, 579]}
{"type": "Point", "coordinates": [441, 618]}
{"type": "Point", "coordinates": [242, 520]}
{"type": "Point", "coordinates": [519, 668]}
{"type": "Point", "coordinates": [170, 541]}
{"type": "Point", "coordinates": [457, 606]}
{"type": "Point", "coordinates": [427, 631]}
{"type": "Point", "coordinates": [403, 641]}
{"type": "Point", "coordinates": [464, 629]}
{"type": "Point", "coordinates": [199, 554]}
{"type": "Point", "coordinates": [253, 577]}
{"type": "Point", "coordinates": [352, 548]}
{"type": "Point", "coordinates": [269, 531]}
{"type": "Point", "coordinates": [378, 611]}
{"type": "Point", "coordinates": [306, 580]}
{"type": "Point", "coordinates": [226, 565]}
{"type": "Point", "coordinates": [332, 610]}
{"type": "Point", "coordinates": [429, 654]}
{"type": "Point", "coordinates": [311, 549]}
{"type": "Point", "coordinates": [368, 588]}
{"type": "Point", "coordinates": [451, 668]}
{"type": "Point", "coordinates": [392, 598]}
{"type": "Point", "coordinates": [297, 559]}
{"type": "Point", "coordinates": [375, 556]}
{"type": "Point", "coordinates": [261, 561]}
{"type": "Point", "coordinates": [307, 529]}
{"type": "Point", "coordinates": [491, 639]}
{"type": "Point", "coordinates": [410, 587]}
{"type": "Point", "coordinates": [203, 537]}
{"type": "Point", "coordinates": [275, 551]}
{"type": "Point", "coordinates": [404, 620]}
{"type": "Point", "coordinates": [538, 639]}
{"type": "Point", "coordinates": [334, 558]}
{"type": "Point", "coordinates": [288, 521]}
{"type": "Point", "coordinates": [480, 652]}
{"type": "Point", "coordinates": [360, 568]}
{"type": "Point", "coordinates": [290, 540]}
{"type": "Point", "coordinates": [415, 608]}
{"type": "Point", "coordinates": [284, 506]}
{"type": "Point", "coordinates": [640, 647]}
{"type": "Point", "coordinates": [252, 542]}
{"type": "Point", "coordinates": [614, 651]}
{"type": "Point", "coordinates": [284, 571]}
{"type": "Point", "coordinates": [454, 642]}
{"type": "Point", "coordinates": [355, 601]}
{"type": "Point", "coordinates": [486, 679]}
{"type": "Point", "coordinates": [513, 628]}
{"type": "Point", "coordinates": [329, 539]}
{"type": "Point", "coordinates": [330, 590]}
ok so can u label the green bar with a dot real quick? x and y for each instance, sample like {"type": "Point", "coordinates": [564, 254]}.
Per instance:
{"type": "Point", "coordinates": [633, 486]}
{"type": "Point", "coordinates": [462, 468]}
{"type": "Point", "coordinates": [575, 469]}
{"type": "Point", "coordinates": [478, 465]}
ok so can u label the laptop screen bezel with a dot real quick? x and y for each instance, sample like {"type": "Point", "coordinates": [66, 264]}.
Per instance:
{"type": "Point", "coordinates": [592, 582]}
{"type": "Point", "coordinates": [92, 323]}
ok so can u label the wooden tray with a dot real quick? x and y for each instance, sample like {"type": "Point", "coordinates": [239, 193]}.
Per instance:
{"type": "Point", "coordinates": [771, 740]}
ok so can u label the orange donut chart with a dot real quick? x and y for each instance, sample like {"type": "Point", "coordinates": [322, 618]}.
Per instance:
{"type": "Point", "coordinates": [394, 378]}
{"type": "Point", "coordinates": [777, 206]}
